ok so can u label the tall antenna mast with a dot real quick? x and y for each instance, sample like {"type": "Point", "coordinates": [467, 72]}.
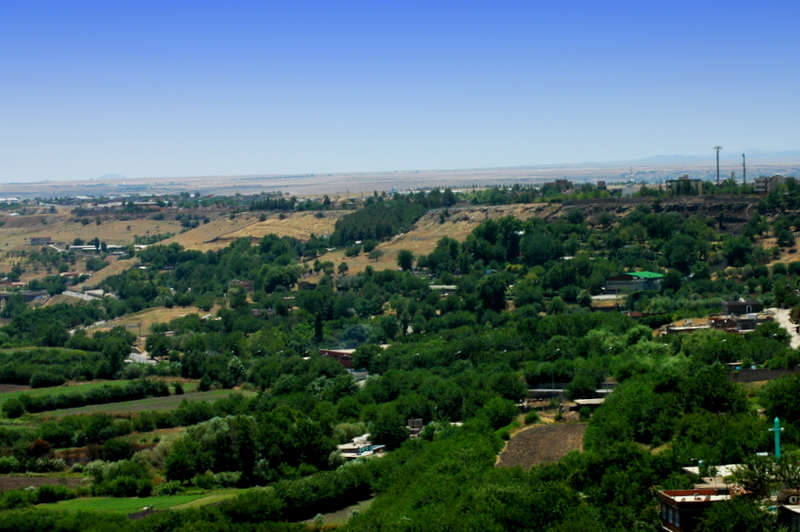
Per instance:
{"type": "Point", "coordinates": [718, 148]}
{"type": "Point", "coordinates": [744, 171]}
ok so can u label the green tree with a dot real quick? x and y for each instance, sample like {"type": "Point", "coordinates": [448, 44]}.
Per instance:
{"type": "Point", "coordinates": [389, 427]}
{"type": "Point", "coordinates": [54, 335]}
{"type": "Point", "coordinates": [585, 299]}
{"type": "Point", "coordinates": [492, 291]}
{"type": "Point", "coordinates": [186, 460]}
{"type": "Point", "coordinates": [741, 514]}
{"type": "Point", "coordinates": [319, 303]}
{"type": "Point", "coordinates": [405, 259]}
{"type": "Point", "coordinates": [785, 238]}
{"type": "Point", "coordinates": [781, 398]}
{"type": "Point", "coordinates": [540, 247]}
{"type": "Point", "coordinates": [737, 250]}
{"type": "Point", "coordinates": [672, 281]}
{"type": "Point", "coordinates": [158, 345]}
{"type": "Point", "coordinates": [499, 412]}
{"type": "Point", "coordinates": [576, 216]}
{"type": "Point", "coordinates": [15, 305]}
{"type": "Point", "coordinates": [557, 306]}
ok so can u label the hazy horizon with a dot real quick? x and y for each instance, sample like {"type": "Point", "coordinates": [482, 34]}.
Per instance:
{"type": "Point", "coordinates": [160, 90]}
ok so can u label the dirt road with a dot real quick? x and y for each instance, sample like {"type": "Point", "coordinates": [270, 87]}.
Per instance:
{"type": "Point", "coordinates": [782, 317]}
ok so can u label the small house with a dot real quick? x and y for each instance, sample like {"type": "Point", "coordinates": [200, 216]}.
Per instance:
{"type": "Point", "coordinates": [632, 282]}
{"type": "Point", "coordinates": [41, 241]}
{"type": "Point", "coordinates": [342, 356]}
{"type": "Point", "coordinates": [681, 510]}
{"type": "Point", "coordinates": [359, 447]}
{"type": "Point", "coordinates": [415, 426]}
{"type": "Point", "coordinates": [246, 284]}
{"type": "Point", "coordinates": [742, 306]}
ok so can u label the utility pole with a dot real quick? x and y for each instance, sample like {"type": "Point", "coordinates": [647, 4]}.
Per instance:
{"type": "Point", "coordinates": [717, 148]}
{"type": "Point", "coordinates": [744, 171]}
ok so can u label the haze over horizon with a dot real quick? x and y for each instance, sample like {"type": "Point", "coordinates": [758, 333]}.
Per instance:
{"type": "Point", "coordinates": [152, 89]}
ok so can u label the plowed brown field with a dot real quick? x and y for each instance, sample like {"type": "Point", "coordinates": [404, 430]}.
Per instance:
{"type": "Point", "coordinates": [542, 444]}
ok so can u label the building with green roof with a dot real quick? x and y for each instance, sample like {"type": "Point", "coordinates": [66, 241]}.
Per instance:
{"type": "Point", "coordinates": [632, 282]}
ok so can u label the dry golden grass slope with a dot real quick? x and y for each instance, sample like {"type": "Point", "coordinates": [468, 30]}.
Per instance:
{"type": "Point", "coordinates": [62, 227]}
{"type": "Point", "coordinates": [221, 230]}
{"type": "Point", "coordinates": [140, 322]}
{"type": "Point", "coordinates": [219, 233]}
{"type": "Point", "coordinates": [297, 225]}
{"type": "Point", "coordinates": [109, 271]}
{"type": "Point", "coordinates": [424, 235]}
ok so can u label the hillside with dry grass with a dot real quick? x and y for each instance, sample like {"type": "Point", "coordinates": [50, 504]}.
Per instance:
{"type": "Point", "coordinates": [223, 228]}
{"type": "Point", "coordinates": [429, 229]}
{"type": "Point", "coordinates": [220, 232]}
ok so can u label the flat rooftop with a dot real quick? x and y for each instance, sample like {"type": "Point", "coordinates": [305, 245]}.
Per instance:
{"type": "Point", "coordinates": [722, 470]}
{"type": "Point", "coordinates": [700, 498]}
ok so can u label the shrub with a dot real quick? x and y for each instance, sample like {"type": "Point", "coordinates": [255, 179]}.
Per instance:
{"type": "Point", "coordinates": [531, 417]}
{"type": "Point", "coordinates": [127, 486]}
{"type": "Point", "coordinates": [47, 465]}
{"type": "Point", "coordinates": [44, 379]}
{"type": "Point", "coordinates": [117, 449]}
{"type": "Point", "coordinates": [15, 499]}
{"type": "Point", "coordinates": [39, 448]}
{"type": "Point", "coordinates": [168, 488]}
{"type": "Point", "coordinates": [500, 412]}
{"type": "Point", "coordinates": [228, 479]}
{"type": "Point", "coordinates": [10, 464]}
{"type": "Point", "coordinates": [138, 389]}
{"type": "Point", "coordinates": [205, 481]}
{"type": "Point", "coordinates": [13, 408]}
{"type": "Point", "coordinates": [49, 494]}
{"type": "Point", "coordinates": [132, 371]}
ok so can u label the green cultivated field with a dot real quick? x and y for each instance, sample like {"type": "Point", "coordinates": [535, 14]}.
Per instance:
{"type": "Point", "coordinates": [127, 506]}
{"type": "Point", "coordinates": [151, 403]}
{"type": "Point", "coordinates": [211, 498]}
{"type": "Point", "coordinates": [60, 390]}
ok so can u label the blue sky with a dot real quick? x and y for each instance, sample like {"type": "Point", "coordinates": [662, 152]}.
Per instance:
{"type": "Point", "coordinates": [163, 89]}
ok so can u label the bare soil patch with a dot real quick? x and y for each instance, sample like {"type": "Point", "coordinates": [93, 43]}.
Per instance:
{"type": "Point", "coordinates": [5, 388]}
{"type": "Point", "coordinates": [16, 482]}
{"type": "Point", "coordinates": [542, 444]}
